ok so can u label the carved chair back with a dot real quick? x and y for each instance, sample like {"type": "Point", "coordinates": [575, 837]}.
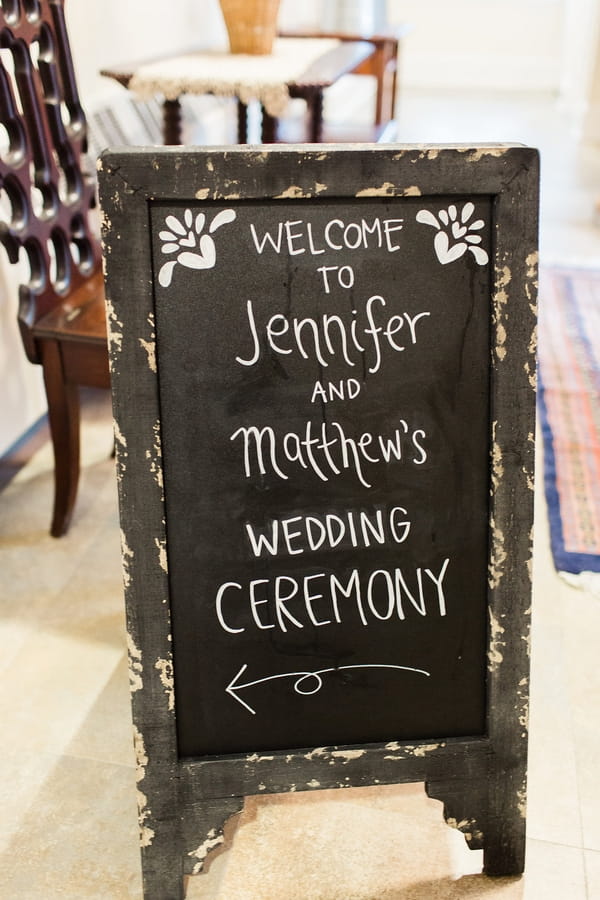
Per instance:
{"type": "Point", "coordinates": [46, 193]}
{"type": "Point", "coordinates": [45, 181]}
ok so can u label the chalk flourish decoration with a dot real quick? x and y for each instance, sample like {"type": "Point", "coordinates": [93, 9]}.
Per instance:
{"type": "Point", "coordinates": [306, 683]}
{"type": "Point", "coordinates": [194, 249]}
{"type": "Point", "coordinates": [455, 233]}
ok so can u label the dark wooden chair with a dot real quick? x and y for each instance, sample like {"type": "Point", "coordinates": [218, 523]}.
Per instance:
{"type": "Point", "coordinates": [47, 195]}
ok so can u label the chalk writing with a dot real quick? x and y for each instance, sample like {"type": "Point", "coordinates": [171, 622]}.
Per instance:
{"type": "Point", "coordinates": [327, 450]}
{"type": "Point", "coordinates": [348, 388]}
{"type": "Point", "coordinates": [332, 557]}
{"type": "Point", "coordinates": [300, 534]}
{"type": "Point", "coordinates": [330, 335]}
{"type": "Point", "coordinates": [323, 598]}
{"type": "Point", "coordinates": [296, 237]}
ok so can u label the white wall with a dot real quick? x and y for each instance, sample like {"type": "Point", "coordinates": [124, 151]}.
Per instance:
{"type": "Point", "coordinates": [22, 394]}
{"type": "Point", "coordinates": [488, 44]}
{"type": "Point", "coordinates": [580, 88]}
{"type": "Point", "coordinates": [118, 31]}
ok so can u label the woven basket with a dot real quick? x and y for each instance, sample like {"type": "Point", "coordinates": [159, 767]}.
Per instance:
{"type": "Point", "coordinates": [251, 24]}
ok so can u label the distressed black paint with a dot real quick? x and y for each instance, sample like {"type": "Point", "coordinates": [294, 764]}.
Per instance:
{"type": "Point", "coordinates": [482, 364]}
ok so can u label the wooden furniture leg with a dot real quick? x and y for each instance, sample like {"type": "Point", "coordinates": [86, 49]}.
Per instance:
{"type": "Point", "coordinates": [382, 64]}
{"type": "Point", "coordinates": [489, 814]}
{"type": "Point", "coordinates": [63, 415]}
{"type": "Point", "coordinates": [172, 130]}
{"type": "Point", "coordinates": [315, 116]}
{"type": "Point", "coordinates": [384, 68]}
{"type": "Point", "coordinates": [314, 106]}
{"type": "Point", "coordinates": [61, 310]}
{"type": "Point", "coordinates": [268, 128]}
{"type": "Point", "coordinates": [242, 123]}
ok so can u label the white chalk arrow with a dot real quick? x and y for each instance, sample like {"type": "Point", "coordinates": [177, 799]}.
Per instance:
{"type": "Point", "coordinates": [234, 686]}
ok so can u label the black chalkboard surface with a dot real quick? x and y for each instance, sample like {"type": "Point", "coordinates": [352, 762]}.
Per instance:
{"type": "Point", "coordinates": [323, 380]}
{"type": "Point", "coordinates": [325, 420]}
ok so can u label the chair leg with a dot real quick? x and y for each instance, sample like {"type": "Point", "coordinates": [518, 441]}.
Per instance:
{"type": "Point", "coordinates": [63, 415]}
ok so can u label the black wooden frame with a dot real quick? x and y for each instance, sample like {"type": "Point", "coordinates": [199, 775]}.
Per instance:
{"type": "Point", "coordinates": [184, 804]}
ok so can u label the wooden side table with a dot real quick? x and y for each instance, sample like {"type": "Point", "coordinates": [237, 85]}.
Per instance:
{"type": "Point", "coordinates": [175, 76]}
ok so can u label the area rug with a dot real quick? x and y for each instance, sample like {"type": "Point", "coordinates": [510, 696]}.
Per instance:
{"type": "Point", "coordinates": [569, 411]}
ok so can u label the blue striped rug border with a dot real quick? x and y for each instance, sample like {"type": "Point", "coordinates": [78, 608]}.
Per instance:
{"type": "Point", "coordinates": [564, 560]}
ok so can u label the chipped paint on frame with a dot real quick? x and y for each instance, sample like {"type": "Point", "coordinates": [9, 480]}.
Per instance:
{"type": "Point", "coordinates": [115, 328]}
{"type": "Point", "coordinates": [418, 751]}
{"type": "Point", "coordinates": [161, 544]}
{"type": "Point", "coordinates": [165, 671]}
{"type": "Point", "coordinates": [468, 827]}
{"type": "Point", "coordinates": [150, 345]}
{"type": "Point", "coordinates": [424, 749]}
{"type": "Point", "coordinates": [387, 189]}
{"type": "Point", "coordinates": [294, 192]}
{"type": "Point", "coordinates": [503, 279]}
{"type": "Point", "coordinates": [531, 291]}
{"type": "Point", "coordinates": [530, 557]}
{"type": "Point", "coordinates": [154, 455]}
{"type": "Point", "coordinates": [134, 656]}
{"type": "Point", "coordinates": [496, 643]}
{"type": "Point", "coordinates": [120, 438]}
{"type": "Point", "coordinates": [475, 156]}
{"type": "Point", "coordinates": [322, 767]}
{"type": "Point", "coordinates": [255, 758]}
{"type": "Point", "coordinates": [530, 364]}
{"type": "Point", "coordinates": [126, 559]}
{"type": "Point", "coordinates": [346, 756]}
{"type": "Point", "coordinates": [147, 833]}
{"type": "Point", "coordinates": [213, 839]}
{"type": "Point", "coordinates": [498, 555]}
{"type": "Point", "coordinates": [317, 752]}
{"type": "Point", "coordinates": [523, 706]}
{"type": "Point", "coordinates": [522, 800]}
{"type": "Point", "coordinates": [497, 463]}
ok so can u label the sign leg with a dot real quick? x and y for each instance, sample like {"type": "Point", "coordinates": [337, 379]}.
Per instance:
{"type": "Point", "coordinates": [504, 852]}
{"type": "Point", "coordinates": [494, 824]}
{"type": "Point", "coordinates": [162, 874]}
{"type": "Point", "coordinates": [168, 860]}
{"type": "Point", "coordinates": [205, 831]}
{"type": "Point", "coordinates": [504, 847]}
{"type": "Point", "coordinates": [465, 807]}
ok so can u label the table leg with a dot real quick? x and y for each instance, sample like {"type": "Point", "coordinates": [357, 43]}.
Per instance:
{"type": "Point", "coordinates": [268, 127]}
{"type": "Point", "coordinates": [172, 131]}
{"type": "Point", "coordinates": [242, 122]}
{"type": "Point", "coordinates": [314, 102]}
{"type": "Point", "coordinates": [385, 64]}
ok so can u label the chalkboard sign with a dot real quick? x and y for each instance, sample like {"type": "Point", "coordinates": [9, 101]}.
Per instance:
{"type": "Point", "coordinates": [322, 371]}
{"type": "Point", "coordinates": [325, 420]}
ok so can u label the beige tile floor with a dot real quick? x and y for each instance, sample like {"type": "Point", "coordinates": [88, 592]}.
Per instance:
{"type": "Point", "coordinates": [67, 797]}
